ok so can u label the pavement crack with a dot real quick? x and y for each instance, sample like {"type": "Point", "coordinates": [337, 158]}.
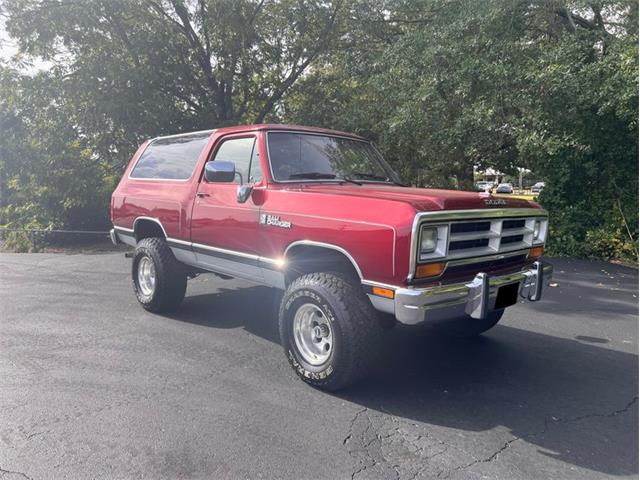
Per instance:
{"type": "Point", "coordinates": [615, 413]}
{"type": "Point", "coordinates": [4, 472]}
{"type": "Point", "coordinates": [547, 424]}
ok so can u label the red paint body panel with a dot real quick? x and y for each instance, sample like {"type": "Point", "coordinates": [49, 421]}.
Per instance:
{"type": "Point", "coordinates": [371, 221]}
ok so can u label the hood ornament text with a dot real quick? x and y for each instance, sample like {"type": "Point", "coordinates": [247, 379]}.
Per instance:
{"type": "Point", "coordinates": [494, 202]}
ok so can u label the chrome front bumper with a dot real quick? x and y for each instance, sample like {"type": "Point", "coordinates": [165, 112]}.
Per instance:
{"type": "Point", "coordinates": [476, 298]}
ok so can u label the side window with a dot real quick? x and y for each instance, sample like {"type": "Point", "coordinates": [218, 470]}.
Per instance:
{"type": "Point", "coordinates": [170, 158]}
{"type": "Point", "coordinates": [243, 153]}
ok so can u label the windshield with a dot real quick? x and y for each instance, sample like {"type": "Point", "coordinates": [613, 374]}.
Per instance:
{"type": "Point", "coordinates": [309, 157]}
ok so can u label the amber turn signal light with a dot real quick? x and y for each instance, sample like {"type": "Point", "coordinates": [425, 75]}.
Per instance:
{"type": "Point", "coordinates": [536, 252]}
{"type": "Point", "coordinates": [383, 292]}
{"type": "Point", "coordinates": [430, 270]}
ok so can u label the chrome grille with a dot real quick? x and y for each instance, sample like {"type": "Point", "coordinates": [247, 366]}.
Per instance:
{"type": "Point", "coordinates": [489, 236]}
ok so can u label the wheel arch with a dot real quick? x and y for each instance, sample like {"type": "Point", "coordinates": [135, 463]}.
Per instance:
{"type": "Point", "coordinates": [306, 256]}
{"type": "Point", "coordinates": [145, 227]}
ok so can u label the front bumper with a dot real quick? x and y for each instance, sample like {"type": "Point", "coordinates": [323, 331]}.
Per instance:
{"type": "Point", "coordinates": [476, 298]}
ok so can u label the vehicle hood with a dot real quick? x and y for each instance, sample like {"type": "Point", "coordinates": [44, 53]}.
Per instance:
{"type": "Point", "coordinates": [422, 199]}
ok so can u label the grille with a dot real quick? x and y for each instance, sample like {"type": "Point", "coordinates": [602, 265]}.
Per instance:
{"type": "Point", "coordinates": [471, 238]}
{"type": "Point", "coordinates": [462, 244]}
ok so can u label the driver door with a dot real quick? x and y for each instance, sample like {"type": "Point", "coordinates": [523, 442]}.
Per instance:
{"type": "Point", "coordinates": [224, 232]}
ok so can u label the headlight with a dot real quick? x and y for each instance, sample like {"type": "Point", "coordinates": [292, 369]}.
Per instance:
{"type": "Point", "coordinates": [539, 231]}
{"type": "Point", "coordinates": [433, 242]}
{"type": "Point", "coordinates": [429, 240]}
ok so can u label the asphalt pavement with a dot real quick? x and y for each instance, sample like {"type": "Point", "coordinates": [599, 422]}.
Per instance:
{"type": "Point", "coordinates": [92, 386]}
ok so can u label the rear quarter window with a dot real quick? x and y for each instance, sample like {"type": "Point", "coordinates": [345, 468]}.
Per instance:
{"type": "Point", "coordinates": [170, 158]}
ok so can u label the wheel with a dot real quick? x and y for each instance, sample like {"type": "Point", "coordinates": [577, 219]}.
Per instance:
{"type": "Point", "coordinates": [470, 327]}
{"type": "Point", "coordinates": [159, 280]}
{"type": "Point", "coordinates": [329, 330]}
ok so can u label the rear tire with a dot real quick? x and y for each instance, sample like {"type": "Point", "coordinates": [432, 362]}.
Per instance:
{"type": "Point", "coordinates": [329, 330]}
{"type": "Point", "coordinates": [466, 326]}
{"type": "Point", "coordinates": [159, 280]}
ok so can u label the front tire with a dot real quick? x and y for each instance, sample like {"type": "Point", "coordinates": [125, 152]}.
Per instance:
{"type": "Point", "coordinates": [159, 280]}
{"type": "Point", "coordinates": [329, 330]}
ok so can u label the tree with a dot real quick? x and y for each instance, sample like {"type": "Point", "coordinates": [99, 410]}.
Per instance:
{"type": "Point", "coordinates": [135, 68]}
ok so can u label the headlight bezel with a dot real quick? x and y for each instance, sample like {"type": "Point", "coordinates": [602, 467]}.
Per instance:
{"type": "Point", "coordinates": [539, 231]}
{"type": "Point", "coordinates": [440, 247]}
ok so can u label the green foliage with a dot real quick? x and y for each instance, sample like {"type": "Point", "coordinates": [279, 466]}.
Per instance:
{"type": "Point", "coordinates": [441, 86]}
{"type": "Point", "coordinates": [445, 86]}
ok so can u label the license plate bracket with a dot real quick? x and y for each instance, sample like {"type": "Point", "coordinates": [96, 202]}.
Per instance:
{"type": "Point", "coordinates": [507, 295]}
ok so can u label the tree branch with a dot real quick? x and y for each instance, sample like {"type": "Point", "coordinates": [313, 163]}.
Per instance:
{"type": "Point", "coordinates": [297, 70]}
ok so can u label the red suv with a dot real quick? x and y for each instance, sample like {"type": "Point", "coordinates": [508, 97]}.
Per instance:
{"type": "Point", "coordinates": [320, 215]}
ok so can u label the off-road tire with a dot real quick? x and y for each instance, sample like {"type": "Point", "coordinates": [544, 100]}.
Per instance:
{"type": "Point", "coordinates": [465, 327]}
{"type": "Point", "coordinates": [170, 276]}
{"type": "Point", "coordinates": [355, 329]}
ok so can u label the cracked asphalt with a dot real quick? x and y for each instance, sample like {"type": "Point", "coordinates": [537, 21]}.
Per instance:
{"type": "Point", "coordinates": [91, 386]}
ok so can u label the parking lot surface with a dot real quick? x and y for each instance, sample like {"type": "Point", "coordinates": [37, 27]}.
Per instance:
{"type": "Point", "coordinates": [92, 386]}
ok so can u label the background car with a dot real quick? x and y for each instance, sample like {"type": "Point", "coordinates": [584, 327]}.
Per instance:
{"type": "Point", "coordinates": [504, 188]}
{"type": "Point", "coordinates": [536, 188]}
{"type": "Point", "coordinates": [484, 187]}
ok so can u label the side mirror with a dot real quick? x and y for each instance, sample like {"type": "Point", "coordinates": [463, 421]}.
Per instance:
{"type": "Point", "coordinates": [244, 192]}
{"type": "Point", "coordinates": [220, 171]}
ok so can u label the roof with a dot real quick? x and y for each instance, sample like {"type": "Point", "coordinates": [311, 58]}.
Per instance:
{"type": "Point", "coordinates": [268, 126]}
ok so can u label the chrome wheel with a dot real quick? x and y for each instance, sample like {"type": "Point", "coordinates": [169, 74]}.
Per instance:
{"type": "Point", "coordinates": [313, 334]}
{"type": "Point", "coordinates": [146, 276]}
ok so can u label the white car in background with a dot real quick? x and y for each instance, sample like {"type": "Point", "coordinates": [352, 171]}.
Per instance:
{"type": "Point", "coordinates": [537, 188]}
{"type": "Point", "coordinates": [504, 188]}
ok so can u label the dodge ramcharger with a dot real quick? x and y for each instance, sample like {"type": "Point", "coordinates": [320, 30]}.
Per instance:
{"type": "Point", "coordinates": [322, 218]}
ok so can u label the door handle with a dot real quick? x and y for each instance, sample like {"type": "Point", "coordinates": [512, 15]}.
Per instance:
{"type": "Point", "coordinates": [202, 194]}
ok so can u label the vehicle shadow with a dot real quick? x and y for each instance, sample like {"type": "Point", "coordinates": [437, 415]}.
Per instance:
{"type": "Point", "coordinates": [547, 390]}
{"type": "Point", "coordinates": [252, 308]}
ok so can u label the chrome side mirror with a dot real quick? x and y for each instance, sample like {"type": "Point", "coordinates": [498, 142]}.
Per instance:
{"type": "Point", "coordinates": [244, 192]}
{"type": "Point", "coordinates": [220, 171]}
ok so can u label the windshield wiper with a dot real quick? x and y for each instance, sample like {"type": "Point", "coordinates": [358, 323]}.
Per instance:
{"type": "Point", "coordinates": [312, 175]}
{"type": "Point", "coordinates": [350, 180]}
{"type": "Point", "coordinates": [381, 178]}
{"type": "Point", "coordinates": [322, 176]}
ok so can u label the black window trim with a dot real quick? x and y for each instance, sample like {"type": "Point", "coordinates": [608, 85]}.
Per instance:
{"type": "Point", "coordinates": [153, 140]}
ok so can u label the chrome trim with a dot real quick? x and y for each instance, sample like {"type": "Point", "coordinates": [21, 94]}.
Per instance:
{"type": "Point", "coordinates": [456, 215]}
{"type": "Point", "coordinates": [178, 135]}
{"type": "Point", "coordinates": [128, 230]}
{"type": "Point", "coordinates": [446, 302]}
{"type": "Point", "coordinates": [371, 283]}
{"type": "Point", "coordinates": [180, 242]}
{"type": "Point", "coordinates": [325, 245]}
{"type": "Point", "coordinates": [250, 256]}
{"type": "Point", "coordinates": [486, 258]}
{"type": "Point", "coordinates": [225, 251]}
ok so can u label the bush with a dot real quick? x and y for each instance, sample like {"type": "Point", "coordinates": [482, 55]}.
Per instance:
{"type": "Point", "coordinates": [610, 244]}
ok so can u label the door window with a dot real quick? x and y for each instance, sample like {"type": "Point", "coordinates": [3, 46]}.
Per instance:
{"type": "Point", "coordinates": [243, 152]}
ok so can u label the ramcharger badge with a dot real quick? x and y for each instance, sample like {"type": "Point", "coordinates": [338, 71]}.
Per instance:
{"type": "Point", "coordinates": [274, 221]}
